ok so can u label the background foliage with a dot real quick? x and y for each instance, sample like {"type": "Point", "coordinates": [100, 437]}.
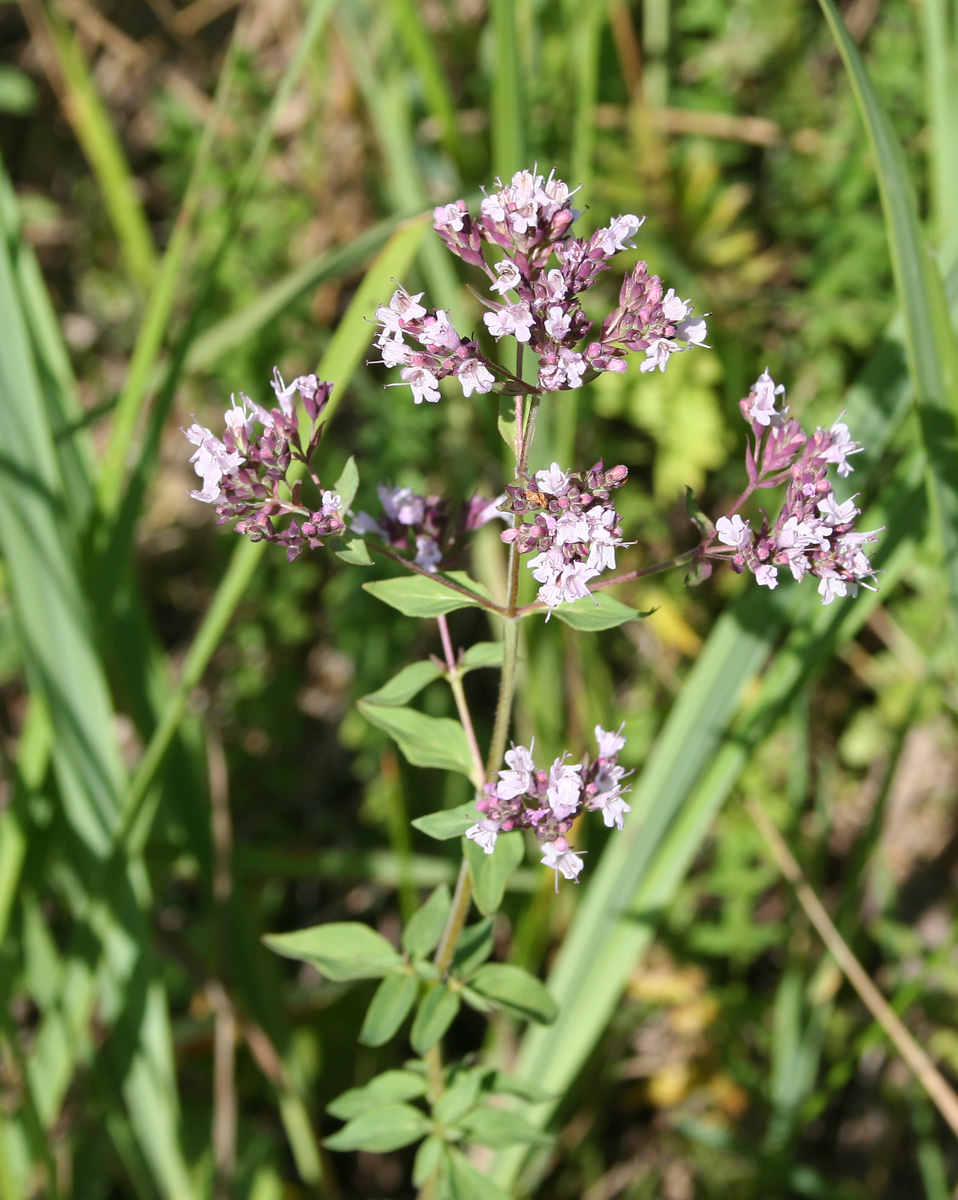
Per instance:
{"type": "Point", "coordinates": [193, 194]}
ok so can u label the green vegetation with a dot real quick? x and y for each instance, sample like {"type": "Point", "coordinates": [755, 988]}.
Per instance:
{"type": "Point", "coordinates": [200, 741]}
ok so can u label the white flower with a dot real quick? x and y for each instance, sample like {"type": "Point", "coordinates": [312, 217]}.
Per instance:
{"type": "Point", "coordinates": [612, 807]}
{"type": "Point", "coordinates": [572, 528]}
{"type": "Point", "coordinates": [734, 532]}
{"type": "Point", "coordinates": [555, 284]}
{"type": "Point", "coordinates": [211, 461]}
{"type": "Point", "coordinates": [514, 319]}
{"type": "Point", "coordinates": [763, 406]}
{"type": "Point", "coordinates": [831, 585]}
{"type": "Point", "coordinates": [692, 331]}
{"type": "Point", "coordinates": [609, 743]}
{"type": "Point", "coordinates": [767, 576]}
{"type": "Point", "coordinates": [674, 309]}
{"type": "Point", "coordinates": [559, 857]}
{"type": "Point", "coordinates": [564, 787]}
{"type": "Point", "coordinates": [484, 834]}
{"type": "Point", "coordinates": [508, 274]}
{"type": "Point", "coordinates": [475, 377]}
{"type": "Point", "coordinates": [840, 447]}
{"type": "Point", "coordinates": [557, 323]}
{"type": "Point", "coordinates": [449, 217]}
{"type": "Point", "coordinates": [331, 504]}
{"type": "Point", "coordinates": [395, 351]}
{"type": "Point", "coordinates": [521, 776]}
{"type": "Point", "coordinates": [657, 354]}
{"type": "Point", "coordinates": [440, 331]}
{"type": "Point", "coordinates": [618, 235]}
{"type": "Point", "coordinates": [554, 481]}
{"type": "Point", "coordinates": [834, 513]}
{"type": "Point", "coordinates": [425, 386]}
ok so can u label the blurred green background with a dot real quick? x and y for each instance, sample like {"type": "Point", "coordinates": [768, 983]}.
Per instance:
{"type": "Point", "coordinates": [195, 192]}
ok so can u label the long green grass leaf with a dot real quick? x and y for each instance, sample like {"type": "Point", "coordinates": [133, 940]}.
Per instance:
{"type": "Point", "coordinates": [102, 148]}
{"type": "Point", "coordinates": [930, 340]}
{"type": "Point", "coordinates": [508, 100]}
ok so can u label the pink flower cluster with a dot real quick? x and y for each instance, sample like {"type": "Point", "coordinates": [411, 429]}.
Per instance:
{"type": "Point", "coordinates": [574, 528]}
{"type": "Point", "coordinates": [525, 797]}
{"type": "Point", "coordinates": [538, 281]}
{"type": "Point", "coordinates": [425, 523]}
{"type": "Point", "coordinates": [814, 533]}
{"type": "Point", "coordinates": [245, 473]}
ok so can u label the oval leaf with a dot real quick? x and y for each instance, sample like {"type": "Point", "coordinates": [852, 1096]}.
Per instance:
{"type": "Point", "coordinates": [342, 950]}
{"type": "Point", "coordinates": [425, 741]}
{"type": "Point", "coordinates": [347, 484]}
{"type": "Point", "coordinates": [515, 989]}
{"type": "Point", "coordinates": [436, 1013]}
{"type": "Point", "coordinates": [390, 1006]}
{"type": "Point", "coordinates": [427, 1159]}
{"type": "Point", "coordinates": [422, 596]}
{"type": "Point", "coordinates": [388, 1088]}
{"type": "Point", "coordinates": [599, 611]}
{"type": "Point", "coordinates": [464, 1182]}
{"type": "Point", "coordinates": [482, 654]}
{"type": "Point", "coordinates": [404, 685]}
{"type": "Point", "coordinates": [500, 1129]}
{"type": "Point", "coordinates": [448, 822]}
{"type": "Point", "coordinates": [424, 928]}
{"type": "Point", "coordinates": [474, 947]}
{"type": "Point", "coordinates": [355, 553]}
{"type": "Point", "coordinates": [490, 872]}
{"type": "Point", "coordinates": [382, 1130]}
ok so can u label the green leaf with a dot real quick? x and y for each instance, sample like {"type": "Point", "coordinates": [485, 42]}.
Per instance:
{"type": "Point", "coordinates": [474, 947]}
{"type": "Point", "coordinates": [506, 422]}
{"type": "Point", "coordinates": [355, 553]}
{"type": "Point", "coordinates": [342, 950]}
{"type": "Point", "coordinates": [390, 1006]}
{"type": "Point", "coordinates": [699, 519]}
{"type": "Point", "coordinates": [458, 1098]}
{"type": "Point", "coordinates": [422, 596]}
{"type": "Point", "coordinates": [930, 339]}
{"type": "Point", "coordinates": [437, 1011]}
{"type": "Point", "coordinates": [515, 989]}
{"type": "Point", "coordinates": [424, 928]}
{"type": "Point", "coordinates": [425, 741]}
{"type": "Point", "coordinates": [476, 1002]}
{"type": "Point", "coordinates": [482, 654]}
{"type": "Point", "coordinates": [447, 822]}
{"type": "Point", "coordinates": [390, 1087]}
{"type": "Point", "coordinates": [382, 1129]}
{"type": "Point", "coordinates": [464, 1182]}
{"type": "Point", "coordinates": [347, 484]}
{"type": "Point", "coordinates": [500, 1128]}
{"type": "Point", "coordinates": [405, 684]}
{"type": "Point", "coordinates": [427, 1159]}
{"type": "Point", "coordinates": [490, 872]}
{"type": "Point", "coordinates": [599, 611]}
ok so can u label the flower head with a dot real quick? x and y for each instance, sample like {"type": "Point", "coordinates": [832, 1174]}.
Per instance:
{"type": "Point", "coordinates": [574, 528]}
{"type": "Point", "coordinates": [246, 472]}
{"type": "Point", "coordinates": [548, 802]}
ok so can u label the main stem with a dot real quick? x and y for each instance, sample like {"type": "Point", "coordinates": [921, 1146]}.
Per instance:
{"type": "Point", "coordinates": [462, 897]}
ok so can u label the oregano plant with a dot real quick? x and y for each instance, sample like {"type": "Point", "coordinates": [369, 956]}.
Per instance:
{"type": "Point", "coordinates": [562, 526]}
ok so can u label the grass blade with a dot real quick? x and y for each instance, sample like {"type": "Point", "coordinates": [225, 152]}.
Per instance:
{"type": "Point", "coordinates": [929, 337]}
{"type": "Point", "coordinates": [102, 148]}
{"type": "Point", "coordinates": [508, 102]}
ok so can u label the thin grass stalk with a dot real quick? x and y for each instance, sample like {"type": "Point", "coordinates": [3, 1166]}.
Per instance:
{"type": "Point", "coordinates": [931, 1079]}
